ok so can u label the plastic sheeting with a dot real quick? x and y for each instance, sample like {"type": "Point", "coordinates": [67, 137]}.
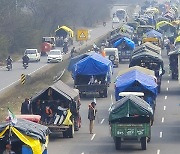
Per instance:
{"type": "Point", "coordinates": [95, 64]}
{"type": "Point", "coordinates": [128, 42]}
{"type": "Point", "coordinates": [126, 82]}
{"type": "Point", "coordinates": [130, 106]}
{"type": "Point", "coordinates": [29, 128]}
{"type": "Point", "coordinates": [153, 33]}
{"type": "Point", "coordinates": [76, 59]}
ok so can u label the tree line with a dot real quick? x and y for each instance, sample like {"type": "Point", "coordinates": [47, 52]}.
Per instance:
{"type": "Point", "coordinates": [24, 22]}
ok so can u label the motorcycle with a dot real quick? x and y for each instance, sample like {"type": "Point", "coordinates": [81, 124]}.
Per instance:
{"type": "Point", "coordinates": [25, 65]}
{"type": "Point", "coordinates": [9, 67]}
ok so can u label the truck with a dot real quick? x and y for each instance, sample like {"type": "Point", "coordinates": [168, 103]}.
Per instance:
{"type": "Point", "coordinates": [64, 103]}
{"type": "Point", "coordinates": [48, 43]}
{"type": "Point", "coordinates": [129, 119]}
{"type": "Point", "coordinates": [174, 64]}
{"type": "Point", "coordinates": [92, 75]}
{"type": "Point", "coordinates": [149, 58]}
{"type": "Point", "coordinates": [137, 81]}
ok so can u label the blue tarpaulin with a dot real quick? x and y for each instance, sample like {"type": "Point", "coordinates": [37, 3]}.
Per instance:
{"type": "Point", "coordinates": [94, 64]}
{"type": "Point", "coordinates": [135, 81]}
{"type": "Point", "coordinates": [128, 42]}
{"type": "Point", "coordinates": [75, 59]}
{"type": "Point", "coordinates": [154, 33]}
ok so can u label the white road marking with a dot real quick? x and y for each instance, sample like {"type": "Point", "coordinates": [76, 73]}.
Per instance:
{"type": "Point", "coordinates": [93, 137]}
{"type": "Point", "coordinates": [112, 99]}
{"type": "Point", "coordinates": [158, 151]}
{"type": "Point", "coordinates": [168, 81]}
{"type": "Point", "coordinates": [82, 153]}
{"type": "Point", "coordinates": [162, 120]}
{"type": "Point", "coordinates": [165, 97]}
{"type": "Point", "coordinates": [164, 108]}
{"type": "Point", "coordinates": [167, 89]}
{"type": "Point", "coordinates": [169, 75]}
{"type": "Point", "coordinates": [161, 134]}
{"type": "Point", "coordinates": [102, 121]}
{"type": "Point", "coordinates": [9, 85]}
{"type": "Point", "coordinates": [37, 69]}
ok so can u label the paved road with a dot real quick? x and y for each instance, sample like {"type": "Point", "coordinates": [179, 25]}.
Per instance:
{"type": "Point", "coordinates": [11, 77]}
{"type": "Point", "coordinates": [165, 131]}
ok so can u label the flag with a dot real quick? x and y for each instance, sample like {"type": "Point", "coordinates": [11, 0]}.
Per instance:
{"type": "Point", "coordinates": [12, 117]}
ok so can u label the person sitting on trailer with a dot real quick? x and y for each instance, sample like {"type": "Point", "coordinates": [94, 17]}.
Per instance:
{"type": "Point", "coordinates": [8, 150]}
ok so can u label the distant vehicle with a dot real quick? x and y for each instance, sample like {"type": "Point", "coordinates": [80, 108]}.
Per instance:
{"type": "Point", "coordinates": [115, 20]}
{"type": "Point", "coordinates": [121, 14]}
{"type": "Point", "coordinates": [135, 15]}
{"type": "Point", "coordinates": [48, 43]}
{"type": "Point", "coordinates": [54, 56]}
{"type": "Point", "coordinates": [112, 55]}
{"type": "Point", "coordinates": [33, 54]}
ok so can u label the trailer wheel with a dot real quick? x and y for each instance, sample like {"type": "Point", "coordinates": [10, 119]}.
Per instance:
{"type": "Point", "coordinates": [159, 89]}
{"type": "Point", "coordinates": [117, 143]}
{"type": "Point", "coordinates": [105, 93]}
{"type": "Point", "coordinates": [69, 133]}
{"type": "Point", "coordinates": [144, 143]}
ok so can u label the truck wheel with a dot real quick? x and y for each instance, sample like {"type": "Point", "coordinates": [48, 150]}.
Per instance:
{"type": "Point", "coordinates": [105, 93]}
{"type": "Point", "coordinates": [69, 133]}
{"type": "Point", "coordinates": [159, 89]}
{"type": "Point", "coordinates": [143, 143]}
{"type": "Point", "coordinates": [118, 143]}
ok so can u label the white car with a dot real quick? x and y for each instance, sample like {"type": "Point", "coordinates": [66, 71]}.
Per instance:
{"type": "Point", "coordinates": [33, 54]}
{"type": "Point", "coordinates": [55, 55]}
{"type": "Point", "coordinates": [115, 20]}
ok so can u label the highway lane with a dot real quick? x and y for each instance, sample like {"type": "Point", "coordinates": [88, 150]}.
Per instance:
{"type": "Point", "coordinates": [8, 78]}
{"type": "Point", "coordinates": [165, 131]}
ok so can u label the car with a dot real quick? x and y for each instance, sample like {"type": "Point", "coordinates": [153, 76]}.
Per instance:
{"type": "Point", "coordinates": [115, 20]}
{"type": "Point", "coordinates": [112, 55]}
{"type": "Point", "coordinates": [55, 55]}
{"type": "Point", "coordinates": [33, 54]}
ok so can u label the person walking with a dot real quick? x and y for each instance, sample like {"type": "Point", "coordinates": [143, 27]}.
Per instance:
{"type": "Point", "coordinates": [25, 107]}
{"type": "Point", "coordinates": [91, 116]}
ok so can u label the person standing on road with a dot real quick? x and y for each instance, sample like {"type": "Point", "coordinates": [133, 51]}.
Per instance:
{"type": "Point", "coordinates": [73, 51]}
{"type": "Point", "coordinates": [91, 116]}
{"type": "Point", "coordinates": [25, 107]}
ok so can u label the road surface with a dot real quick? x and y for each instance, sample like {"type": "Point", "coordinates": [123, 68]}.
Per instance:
{"type": "Point", "coordinates": [165, 131]}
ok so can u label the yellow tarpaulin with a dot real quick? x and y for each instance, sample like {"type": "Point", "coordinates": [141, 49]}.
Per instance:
{"type": "Point", "coordinates": [68, 121]}
{"type": "Point", "coordinates": [177, 39]}
{"type": "Point", "coordinates": [31, 142]}
{"type": "Point", "coordinates": [163, 23]}
{"type": "Point", "coordinates": [2, 133]}
{"type": "Point", "coordinates": [67, 29]}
